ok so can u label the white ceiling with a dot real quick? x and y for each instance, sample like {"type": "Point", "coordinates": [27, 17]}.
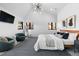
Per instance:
{"type": "Point", "coordinates": [22, 9]}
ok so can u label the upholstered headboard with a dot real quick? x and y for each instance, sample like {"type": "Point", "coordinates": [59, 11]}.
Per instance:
{"type": "Point", "coordinates": [70, 31]}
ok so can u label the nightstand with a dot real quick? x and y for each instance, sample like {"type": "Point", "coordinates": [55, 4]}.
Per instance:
{"type": "Point", "coordinates": [76, 45]}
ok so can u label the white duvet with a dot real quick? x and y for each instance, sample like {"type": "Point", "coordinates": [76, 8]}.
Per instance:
{"type": "Point", "coordinates": [50, 42]}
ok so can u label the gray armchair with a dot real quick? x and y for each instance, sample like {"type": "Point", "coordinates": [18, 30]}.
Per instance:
{"type": "Point", "coordinates": [6, 45]}
{"type": "Point", "coordinates": [20, 36]}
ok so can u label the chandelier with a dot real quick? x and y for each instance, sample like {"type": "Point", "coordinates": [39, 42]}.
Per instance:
{"type": "Point", "coordinates": [36, 7]}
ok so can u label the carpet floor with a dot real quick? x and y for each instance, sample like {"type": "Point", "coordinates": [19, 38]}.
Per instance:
{"type": "Point", "coordinates": [26, 49]}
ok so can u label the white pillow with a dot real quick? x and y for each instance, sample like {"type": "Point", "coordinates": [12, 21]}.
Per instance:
{"type": "Point", "coordinates": [58, 35]}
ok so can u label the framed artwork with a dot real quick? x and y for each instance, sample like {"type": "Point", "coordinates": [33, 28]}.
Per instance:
{"type": "Point", "coordinates": [64, 23]}
{"type": "Point", "coordinates": [71, 22]}
{"type": "Point", "coordinates": [20, 25]}
{"type": "Point", "coordinates": [29, 25]}
{"type": "Point", "coordinates": [49, 26]}
{"type": "Point", "coordinates": [52, 26]}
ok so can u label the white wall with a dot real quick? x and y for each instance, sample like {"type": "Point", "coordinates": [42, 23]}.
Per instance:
{"type": "Point", "coordinates": [40, 22]}
{"type": "Point", "coordinates": [68, 10]}
{"type": "Point", "coordinates": [7, 28]}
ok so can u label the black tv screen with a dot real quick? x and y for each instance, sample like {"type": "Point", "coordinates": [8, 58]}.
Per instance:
{"type": "Point", "coordinates": [5, 17]}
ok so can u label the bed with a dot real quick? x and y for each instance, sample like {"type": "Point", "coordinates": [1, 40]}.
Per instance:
{"type": "Point", "coordinates": [52, 42]}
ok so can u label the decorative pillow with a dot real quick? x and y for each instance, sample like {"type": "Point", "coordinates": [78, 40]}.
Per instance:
{"type": "Point", "coordinates": [58, 32]}
{"type": "Point", "coordinates": [61, 33]}
{"type": "Point", "coordinates": [3, 39]}
{"type": "Point", "coordinates": [65, 36]}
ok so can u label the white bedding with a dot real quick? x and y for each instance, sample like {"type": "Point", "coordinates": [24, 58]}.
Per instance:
{"type": "Point", "coordinates": [41, 43]}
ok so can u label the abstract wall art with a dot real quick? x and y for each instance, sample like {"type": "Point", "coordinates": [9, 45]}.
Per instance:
{"type": "Point", "coordinates": [64, 23]}
{"type": "Point", "coordinates": [71, 21]}
{"type": "Point", "coordinates": [52, 26]}
{"type": "Point", "coordinates": [20, 25]}
{"type": "Point", "coordinates": [29, 24]}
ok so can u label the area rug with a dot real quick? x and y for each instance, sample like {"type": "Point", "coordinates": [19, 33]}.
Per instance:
{"type": "Point", "coordinates": [27, 49]}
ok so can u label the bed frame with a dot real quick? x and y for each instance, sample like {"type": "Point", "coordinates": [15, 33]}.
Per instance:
{"type": "Point", "coordinates": [68, 46]}
{"type": "Point", "coordinates": [70, 31]}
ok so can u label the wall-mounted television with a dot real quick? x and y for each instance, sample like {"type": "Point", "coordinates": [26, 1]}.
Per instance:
{"type": "Point", "coordinates": [5, 17]}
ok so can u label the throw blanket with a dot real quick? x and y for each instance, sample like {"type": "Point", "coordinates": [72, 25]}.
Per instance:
{"type": "Point", "coordinates": [50, 42]}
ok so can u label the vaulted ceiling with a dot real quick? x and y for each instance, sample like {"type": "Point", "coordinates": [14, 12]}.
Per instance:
{"type": "Point", "coordinates": [22, 9]}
